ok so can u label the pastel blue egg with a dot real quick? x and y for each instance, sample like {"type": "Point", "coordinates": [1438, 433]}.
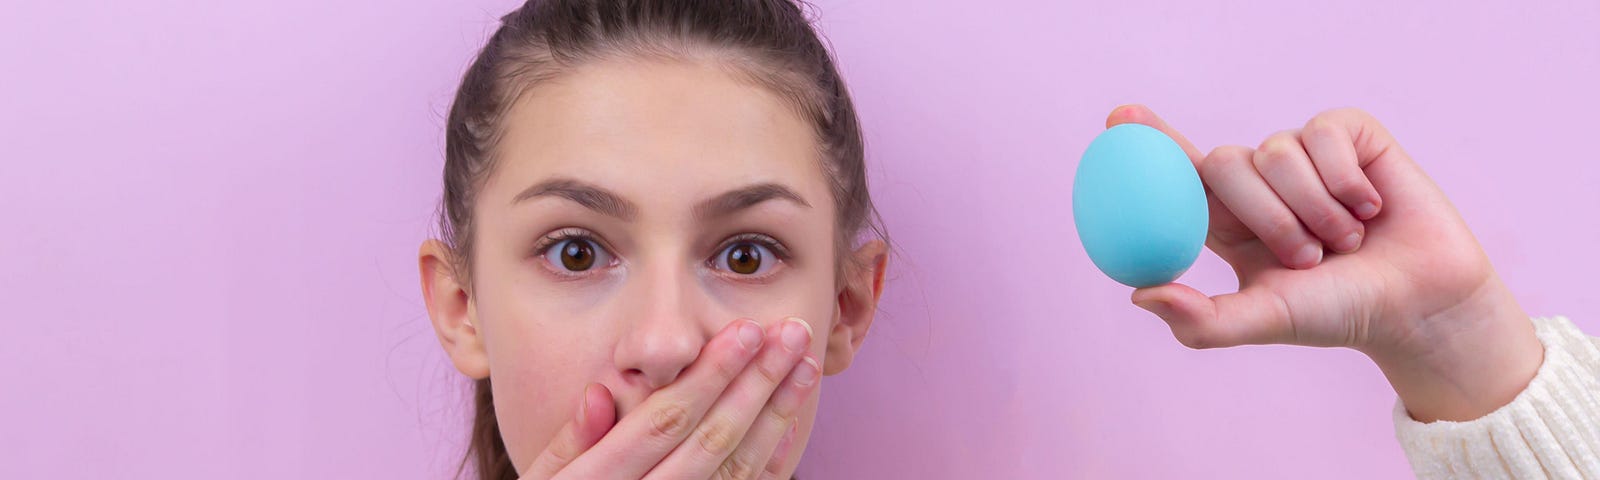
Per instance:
{"type": "Point", "coordinates": [1139, 206]}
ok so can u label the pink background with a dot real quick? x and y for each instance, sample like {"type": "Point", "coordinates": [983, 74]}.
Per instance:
{"type": "Point", "coordinates": [213, 210]}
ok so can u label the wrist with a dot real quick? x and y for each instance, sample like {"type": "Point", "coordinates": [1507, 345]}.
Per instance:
{"type": "Point", "coordinates": [1466, 361]}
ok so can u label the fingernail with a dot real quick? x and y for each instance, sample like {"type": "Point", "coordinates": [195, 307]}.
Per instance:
{"type": "Point", "coordinates": [583, 404]}
{"type": "Point", "coordinates": [750, 335]}
{"type": "Point", "coordinates": [806, 372]}
{"type": "Point", "coordinates": [796, 334]}
{"type": "Point", "coordinates": [1366, 210]}
{"type": "Point", "coordinates": [1349, 243]}
{"type": "Point", "coordinates": [1309, 256]}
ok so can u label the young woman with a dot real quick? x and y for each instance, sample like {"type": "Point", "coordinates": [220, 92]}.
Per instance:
{"type": "Point", "coordinates": [651, 220]}
{"type": "Point", "coordinates": [653, 248]}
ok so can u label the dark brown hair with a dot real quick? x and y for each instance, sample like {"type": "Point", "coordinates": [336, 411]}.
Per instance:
{"type": "Point", "coordinates": [769, 42]}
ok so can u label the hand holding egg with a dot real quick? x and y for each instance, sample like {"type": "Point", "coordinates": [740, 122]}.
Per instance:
{"type": "Point", "coordinates": [1338, 239]}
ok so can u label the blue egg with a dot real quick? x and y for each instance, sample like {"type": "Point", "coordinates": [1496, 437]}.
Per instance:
{"type": "Point", "coordinates": [1139, 206]}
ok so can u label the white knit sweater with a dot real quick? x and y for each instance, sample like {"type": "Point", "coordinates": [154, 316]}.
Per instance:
{"type": "Point", "coordinates": [1551, 430]}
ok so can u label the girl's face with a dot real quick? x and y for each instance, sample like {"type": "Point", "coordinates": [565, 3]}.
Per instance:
{"type": "Point", "coordinates": [636, 208]}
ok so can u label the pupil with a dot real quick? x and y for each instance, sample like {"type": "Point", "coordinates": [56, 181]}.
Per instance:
{"type": "Point", "coordinates": [577, 256]}
{"type": "Point", "coordinates": [744, 259]}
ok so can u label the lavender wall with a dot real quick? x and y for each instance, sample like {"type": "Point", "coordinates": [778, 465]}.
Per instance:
{"type": "Point", "coordinates": [214, 208]}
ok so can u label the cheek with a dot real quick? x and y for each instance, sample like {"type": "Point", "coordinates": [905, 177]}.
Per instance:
{"type": "Point", "coordinates": [808, 295]}
{"type": "Point", "coordinates": [540, 358]}
{"type": "Point", "coordinates": [537, 387]}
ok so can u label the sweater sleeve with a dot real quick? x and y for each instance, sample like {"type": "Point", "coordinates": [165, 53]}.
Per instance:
{"type": "Point", "coordinates": [1550, 430]}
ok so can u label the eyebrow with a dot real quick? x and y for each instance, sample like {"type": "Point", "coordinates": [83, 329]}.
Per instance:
{"type": "Point", "coordinates": [589, 196]}
{"type": "Point", "coordinates": [604, 201]}
{"type": "Point", "coordinates": [739, 199]}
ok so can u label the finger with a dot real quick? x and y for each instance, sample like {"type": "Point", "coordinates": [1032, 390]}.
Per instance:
{"type": "Point", "coordinates": [777, 420]}
{"type": "Point", "coordinates": [1232, 176]}
{"type": "Point", "coordinates": [717, 436]}
{"type": "Point", "coordinates": [640, 440]}
{"type": "Point", "coordinates": [781, 454]}
{"type": "Point", "coordinates": [1142, 115]}
{"type": "Point", "coordinates": [1341, 144]}
{"type": "Point", "coordinates": [1228, 238]}
{"type": "Point", "coordinates": [1250, 316]}
{"type": "Point", "coordinates": [1225, 228]}
{"type": "Point", "coordinates": [597, 411]}
{"type": "Point", "coordinates": [1286, 167]}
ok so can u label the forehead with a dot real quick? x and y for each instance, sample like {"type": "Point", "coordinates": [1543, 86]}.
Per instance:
{"type": "Point", "coordinates": [656, 128]}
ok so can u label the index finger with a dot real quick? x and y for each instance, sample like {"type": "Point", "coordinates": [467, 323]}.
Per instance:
{"type": "Point", "coordinates": [1142, 115]}
{"type": "Point", "coordinates": [596, 412]}
{"type": "Point", "coordinates": [643, 438]}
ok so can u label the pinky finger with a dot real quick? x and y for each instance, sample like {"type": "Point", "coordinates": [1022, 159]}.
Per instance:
{"type": "Point", "coordinates": [1333, 152]}
{"type": "Point", "coordinates": [781, 454]}
{"type": "Point", "coordinates": [1200, 322]}
{"type": "Point", "coordinates": [764, 447]}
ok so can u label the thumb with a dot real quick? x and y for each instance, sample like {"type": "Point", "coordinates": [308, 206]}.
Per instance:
{"type": "Point", "coordinates": [1250, 316]}
{"type": "Point", "coordinates": [597, 413]}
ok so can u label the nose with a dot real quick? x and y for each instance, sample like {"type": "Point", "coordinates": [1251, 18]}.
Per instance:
{"type": "Point", "coordinates": [667, 327]}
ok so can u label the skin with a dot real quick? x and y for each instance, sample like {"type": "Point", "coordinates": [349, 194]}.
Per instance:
{"type": "Point", "coordinates": [636, 366]}
{"type": "Point", "coordinates": [1339, 239]}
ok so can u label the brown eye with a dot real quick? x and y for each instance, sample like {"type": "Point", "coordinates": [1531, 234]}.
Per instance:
{"type": "Point", "coordinates": [746, 258]}
{"type": "Point", "coordinates": [577, 255]}
{"type": "Point", "coordinates": [743, 259]}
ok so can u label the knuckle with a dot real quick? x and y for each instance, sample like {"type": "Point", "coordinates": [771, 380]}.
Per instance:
{"type": "Point", "coordinates": [1341, 116]}
{"type": "Point", "coordinates": [1346, 112]}
{"type": "Point", "coordinates": [1281, 228]}
{"type": "Point", "coordinates": [1276, 153]}
{"type": "Point", "coordinates": [779, 414]}
{"type": "Point", "coordinates": [771, 374]}
{"type": "Point", "coordinates": [1320, 126]}
{"type": "Point", "coordinates": [717, 437]}
{"type": "Point", "coordinates": [728, 367]}
{"type": "Point", "coordinates": [737, 467]}
{"type": "Point", "coordinates": [1224, 159]}
{"type": "Point", "coordinates": [774, 465]}
{"type": "Point", "coordinates": [1280, 140]}
{"type": "Point", "coordinates": [1326, 220]}
{"type": "Point", "coordinates": [669, 422]}
{"type": "Point", "coordinates": [1346, 185]}
{"type": "Point", "coordinates": [560, 454]}
{"type": "Point", "coordinates": [1227, 153]}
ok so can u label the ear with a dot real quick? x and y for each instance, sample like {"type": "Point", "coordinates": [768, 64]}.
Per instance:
{"type": "Point", "coordinates": [858, 304]}
{"type": "Point", "coordinates": [451, 310]}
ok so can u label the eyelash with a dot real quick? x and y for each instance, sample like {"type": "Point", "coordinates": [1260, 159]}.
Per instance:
{"type": "Point", "coordinates": [558, 237]}
{"type": "Point", "coordinates": [552, 239]}
{"type": "Point", "coordinates": [764, 240]}
{"type": "Point", "coordinates": [779, 252]}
